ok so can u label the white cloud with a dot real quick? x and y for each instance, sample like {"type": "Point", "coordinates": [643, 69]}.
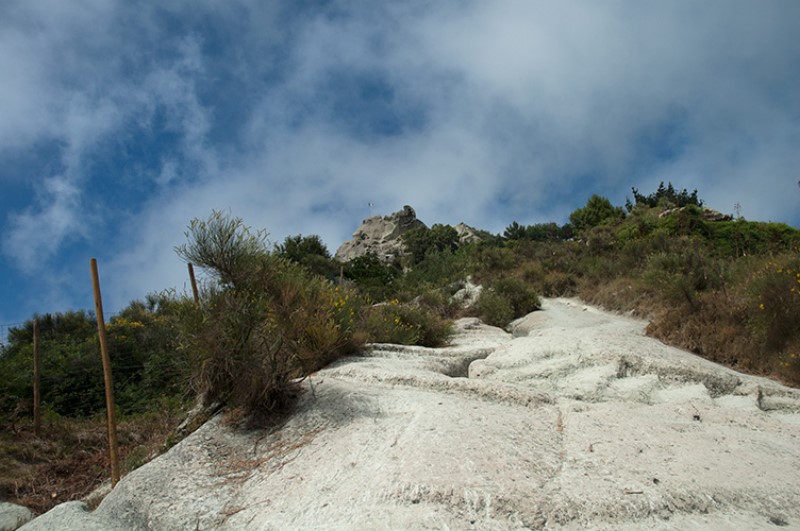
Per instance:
{"type": "Point", "coordinates": [34, 237]}
{"type": "Point", "coordinates": [497, 111]}
{"type": "Point", "coordinates": [82, 118]}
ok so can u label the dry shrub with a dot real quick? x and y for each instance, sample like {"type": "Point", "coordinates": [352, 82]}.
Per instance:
{"type": "Point", "coordinates": [621, 294]}
{"type": "Point", "coordinates": [532, 273]}
{"type": "Point", "coordinates": [70, 458]}
{"type": "Point", "coordinates": [789, 363]}
{"type": "Point", "coordinates": [775, 289]}
{"type": "Point", "coordinates": [733, 325]}
{"type": "Point", "coordinates": [713, 329]}
{"type": "Point", "coordinates": [559, 284]}
{"type": "Point", "coordinates": [406, 324]}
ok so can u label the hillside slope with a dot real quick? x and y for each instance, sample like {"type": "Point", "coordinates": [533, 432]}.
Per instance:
{"type": "Point", "coordinates": [580, 421]}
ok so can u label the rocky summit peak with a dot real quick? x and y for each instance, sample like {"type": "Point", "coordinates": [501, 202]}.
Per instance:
{"type": "Point", "coordinates": [381, 236]}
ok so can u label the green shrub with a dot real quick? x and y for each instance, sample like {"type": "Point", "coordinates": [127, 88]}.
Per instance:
{"type": "Point", "coordinates": [268, 322]}
{"type": "Point", "coordinates": [677, 276]}
{"type": "Point", "coordinates": [225, 246]}
{"type": "Point", "coordinates": [436, 270]}
{"type": "Point", "coordinates": [488, 262]}
{"type": "Point", "coordinates": [598, 211]}
{"type": "Point", "coordinates": [422, 241]}
{"type": "Point", "coordinates": [406, 324]}
{"type": "Point", "coordinates": [744, 238]}
{"type": "Point", "coordinates": [310, 252]}
{"type": "Point", "coordinates": [494, 309]}
{"type": "Point", "coordinates": [374, 278]}
{"type": "Point", "coordinates": [440, 301]}
{"type": "Point", "coordinates": [143, 362]}
{"type": "Point", "coordinates": [506, 299]}
{"type": "Point", "coordinates": [686, 222]}
{"type": "Point", "coordinates": [522, 296]}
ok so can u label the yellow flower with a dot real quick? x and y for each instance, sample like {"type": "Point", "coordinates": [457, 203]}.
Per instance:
{"type": "Point", "coordinates": [761, 305]}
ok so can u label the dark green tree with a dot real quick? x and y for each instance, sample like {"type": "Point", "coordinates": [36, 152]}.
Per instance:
{"type": "Point", "coordinates": [372, 276]}
{"type": "Point", "coordinates": [665, 196]}
{"type": "Point", "coordinates": [598, 210]}
{"type": "Point", "coordinates": [421, 241]}
{"type": "Point", "coordinates": [310, 252]}
{"type": "Point", "coordinates": [540, 232]}
{"type": "Point", "coordinates": [515, 231]}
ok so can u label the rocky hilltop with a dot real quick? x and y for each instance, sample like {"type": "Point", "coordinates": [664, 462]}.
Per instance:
{"type": "Point", "coordinates": [575, 420]}
{"type": "Point", "coordinates": [380, 236]}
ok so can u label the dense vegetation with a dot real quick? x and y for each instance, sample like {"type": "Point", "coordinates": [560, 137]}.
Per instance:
{"type": "Point", "coordinates": [727, 290]}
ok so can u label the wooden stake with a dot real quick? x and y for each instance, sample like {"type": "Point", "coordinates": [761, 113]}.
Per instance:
{"type": "Point", "coordinates": [37, 396]}
{"type": "Point", "coordinates": [109, 382]}
{"type": "Point", "coordinates": [194, 285]}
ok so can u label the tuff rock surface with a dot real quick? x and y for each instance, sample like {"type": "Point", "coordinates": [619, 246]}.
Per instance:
{"type": "Point", "coordinates": [575, 420]}
{"type": "Point", "coordinates": [13, 516]}
{"type": "Point", "coordinates": [467, 234]}
{"type": "Point", "coordinates": [380, 236]}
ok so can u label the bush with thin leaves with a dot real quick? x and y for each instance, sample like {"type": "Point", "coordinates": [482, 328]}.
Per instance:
{"type": "Point", "coordinates": [267, 323]}
{"type": "Point", "coordinates": [225, 246]}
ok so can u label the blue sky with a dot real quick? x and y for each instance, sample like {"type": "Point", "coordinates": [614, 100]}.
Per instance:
{"type": "Point", "coordinates": [122, 121]}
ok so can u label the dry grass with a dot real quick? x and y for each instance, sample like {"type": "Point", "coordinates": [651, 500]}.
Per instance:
{"type": "Point", "coordinates": [70, 459]}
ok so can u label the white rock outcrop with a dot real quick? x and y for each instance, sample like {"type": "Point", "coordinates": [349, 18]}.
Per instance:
{"type": "Point", "coordinates": [13, 516]}
{"type": "Point", "coordinates": [467, 234]}
{"type": "Point", "coordinates": [381, 236]}
{"type": "Point", "coordinates": [577, 421]}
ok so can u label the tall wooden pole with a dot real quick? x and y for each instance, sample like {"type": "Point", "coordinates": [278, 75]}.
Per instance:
{"type": "Point", "coordinates": [109, 382]}
{"type": "Point", "coordinates": [37, 394]}
{"type": "Point", "coordinates": [194, 285]}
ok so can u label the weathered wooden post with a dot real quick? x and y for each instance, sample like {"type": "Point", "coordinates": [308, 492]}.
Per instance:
{"type": "Point", "coordinates": [194, 285]}
{"type": "Point", "coordinates": [109, 382]}
{"type": "Point", "coordinates": [37, 394]}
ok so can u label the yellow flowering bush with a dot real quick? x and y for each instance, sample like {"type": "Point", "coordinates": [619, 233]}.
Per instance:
{"type": "Point", "coordinates": [406, 324]}
{"type": "Point", "coordinates": [346, 304]}
{"type": "Point", "coordinates": [775, 291]}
